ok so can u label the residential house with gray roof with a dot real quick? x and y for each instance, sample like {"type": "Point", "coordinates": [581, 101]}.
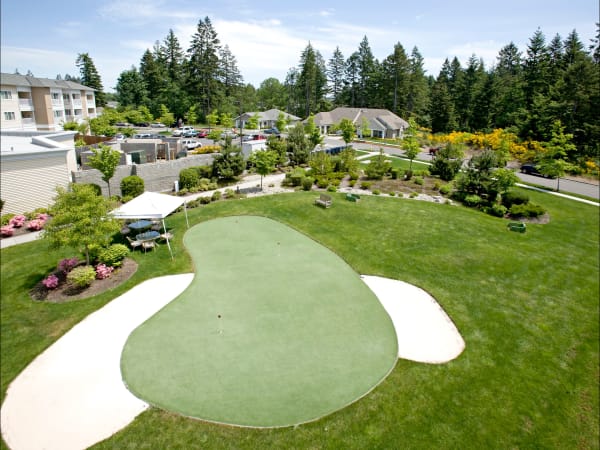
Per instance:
{"type": "Point", "coordinates": [266, 119]}
{"type": "Point", "coordinates": [381, 123]}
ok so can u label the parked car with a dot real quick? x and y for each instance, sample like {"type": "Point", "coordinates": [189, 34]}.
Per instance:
{"type": "Point", "coordinates": [228, 133]}
{"type": "Point", "coordinates": [122, 124]}
{"type": "Point", "coordinates": [273, 130]}
{"type": "Point", "coordinates": [190, 133]}
{"type": "Point", "coordinates": [180, 131]}
{"type": "Point", "coordinates": [202, 133]}
{"type": "Point", "coordinates": [142, 136]}
{"type": "Point", "coordinates": [158, 125]}
{"type": "Point", "coordinates": [190, 144]}
{"type": "Point", "coordinates": [142, 124]}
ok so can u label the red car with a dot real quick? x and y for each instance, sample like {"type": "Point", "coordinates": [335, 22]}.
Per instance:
{"type": "Point", "coordinates": [202, 133]}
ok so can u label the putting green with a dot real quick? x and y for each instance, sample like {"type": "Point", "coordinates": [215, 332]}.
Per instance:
{"type": "Point", "coordinates": [275, 330]}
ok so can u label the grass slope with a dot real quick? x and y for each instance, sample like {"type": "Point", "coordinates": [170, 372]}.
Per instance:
{"type": "Point", "coordinates": [275, 330]}
{"type": "Point", "coordinates": [527, 306]}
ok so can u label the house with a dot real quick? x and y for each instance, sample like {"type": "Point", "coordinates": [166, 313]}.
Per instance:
{"type": "Point", "coordinates": [32, 165]}
{"type": "Point", "coordinates": [381, 123]}
{"type": "Point", "coordinates": [266, 119]}
{"type": "Point", "coordinates": [43, 104]}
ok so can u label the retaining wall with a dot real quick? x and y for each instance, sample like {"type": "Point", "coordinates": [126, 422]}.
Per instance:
{"type": "Point", "coordinates": [158, 176]}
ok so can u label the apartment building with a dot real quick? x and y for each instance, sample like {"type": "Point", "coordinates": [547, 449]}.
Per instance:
{"type": "Point", "coordinates": [42, 104]}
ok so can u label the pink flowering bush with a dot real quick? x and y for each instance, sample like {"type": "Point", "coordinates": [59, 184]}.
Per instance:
{"type": "Point", "coordinates": [7, 230]}
{"type": "Point", "coordinates": [51, 282]}
{"type": "Point", "coordinates": [18, 221]}
{"type": "Point", "coordinates": [103, 271]}
{"type": "Point", "coordinates": [35, 224]}
{"type": "Point", "coordinates": [43, 216]}
{"type": "Point", "coordinates": [67, 264]}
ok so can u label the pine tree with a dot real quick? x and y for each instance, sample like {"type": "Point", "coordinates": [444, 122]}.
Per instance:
{"type": "Point", "coordinates": [229, 74]}
{"type": "Point", "coordinates": [173, 56]}
{"type": "Point", "coordinates": [312, 80]}
{"type": "Point", "coordinates": [366, 64]}
{"type": "Point", "coordinates": [418, 91]}
{"type": "Point", "coordinates": [90, 77]}
{"type": "Point", "coordinates": [131, 89]}
{"type": "Point", "coordinates": [335, 73]}
{"type": "Point", "coordinates": [203, 66]}
{"type": "Point", "coordinates": [395, 81]}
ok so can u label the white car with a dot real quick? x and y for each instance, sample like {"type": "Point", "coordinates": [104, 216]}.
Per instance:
{"type": "Point", "coordinates": [180, 131]}
{"type": "Point", "coordinates": [190, 144]}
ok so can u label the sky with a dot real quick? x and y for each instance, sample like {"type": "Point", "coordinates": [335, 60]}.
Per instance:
{"type": "Point", "coordinates": [267, 37]}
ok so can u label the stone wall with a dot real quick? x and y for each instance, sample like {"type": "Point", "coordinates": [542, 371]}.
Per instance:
{"type": "Point", "coordinates": [158, 176]}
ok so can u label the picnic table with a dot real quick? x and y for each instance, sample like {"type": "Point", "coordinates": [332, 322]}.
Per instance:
{"type": "Point", "coordinates": [140, 224]}
{"type": "Point", "coordinates": [148, 236]}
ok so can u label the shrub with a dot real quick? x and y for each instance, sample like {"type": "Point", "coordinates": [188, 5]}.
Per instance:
{"type": "Point", "coordinates": [216, 196]}
{"type": "Point", "coordinates": [331, 188]}
{"type": "Point", "coordinates": [445, 189]}
{"type": "Point", "coordinates": [497, 210]}
{"type": "Point", "coordinates": [376, 192]}
{"type": "Point", "coordinates": [113, 255]}
{"type": "Point", "coordinates": [35, 224]}
{"type": "Point", "coordinates": [526, 210]}
{"type": "Point", "coordinates": [322, 182]}
{"type": "Point", "coordinates": [307, 183]}
{"type": "Point", "coordinates": [7, 231]}
{"type": "Point", "coordinates": [408, 174]}
{"type": "Point", "coordinates": [365, 185]}
{"type": "Point", "coordinates": [188, 178]}
{"type": "Point", "coordinates": [132, 186]}
{"type": "Point", "coordinates": [17, 221]}
{"type": "Point", "coordinates": [514, 198]}
{"type": "Point", "coordinates": [6, 218]}
{"type": "Point", "coordinates": [436, 186]}
{"type": "Point", "coordinates": [81, 276]}
{"type": "Point", "coordinates": [413, 194]}
{"type": "Point", "coordinates": [418, 180]}
{"type": "Point", "coordinates": [50, 282]}
{"type": "Point", "coordinates": [97, 189]}
{"type": "Point", "coordinates": [472, 200]}
{"type": "Point", "coordinates": [395, 174]}
{"type": "Point", "coordinates": [205, 200]}
{"type": "Point", "coordinates": [103, 271]}
{"type": "Point", "coordinates": [67, 264]}
{"type": "Point", "coordinates": [392, 194]}
{"type": "Point", "coordinates": [297, 176]}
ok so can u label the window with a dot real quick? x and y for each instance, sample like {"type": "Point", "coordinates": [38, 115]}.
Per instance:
{"type": "Point", "coordinates": [90, 97]}
{"type": "Point", "coordinates": [68, 112]}
{"type": "Point", "coordinates": [66, 97]}
{"type": "Point", "coordinates": [55, 96]}
{"type": "Point", "coordinates": [77, 112]}
{"type": "Point", "coordinates": [76, 96]}
{"type": "Point", "coordinates": [9, 115]}
{"type": "Point", "coordinates": [58, 114]}
{"type": "Point", "coordinates": [5, 95]}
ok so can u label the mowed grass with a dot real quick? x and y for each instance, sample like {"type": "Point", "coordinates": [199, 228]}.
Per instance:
{"type": "Point", "coordinates": [526, 305]}
{"type": "Point", "coordinates": [274, 330]}
{"type": "Point", "coordinates": [401, 163]}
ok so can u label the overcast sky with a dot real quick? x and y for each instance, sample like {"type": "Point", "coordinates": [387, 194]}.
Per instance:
{"type": "Point", "coordinates": [267, 37]}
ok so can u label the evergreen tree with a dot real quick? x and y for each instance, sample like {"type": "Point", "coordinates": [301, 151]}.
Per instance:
{"type": "Point", "coordinates": [173, 56]}
{"type": "Point", "coordinates": [90, 77]}
{"type": "Point", "coordinates": [272, 94]}
{"type": "Point", "coordinates": [441, 109]}
{"type": "Point", "coordinates": [230, 74]}
{"type": "Point", "coordinates": [312, 80]}
{"type": "Point", "coordinates": [508, 101]}
{"type": "Point", "coordinates": [395, 81]}
{"type": "Point", "coordinates": [131, 89]}
{"type": "Point", "coordinates": [203, 66]}
{"type": "Point", "coordinates": [366, 65]}
{"type": "Point", "coordinates": [335, 73]}
{"type": "Point", "coordinates": [418, 90]}
{"type": "Point", "coordinates": [351, 83]}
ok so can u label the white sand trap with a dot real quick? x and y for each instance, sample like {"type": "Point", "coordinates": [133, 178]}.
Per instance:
{"type": "Point", "coordinates": [72, 395]}
{"type": "Point", "coordinates": [425, 332]}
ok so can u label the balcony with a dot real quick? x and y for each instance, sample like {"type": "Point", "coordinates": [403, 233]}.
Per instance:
{"type": "Point", "coordinates": [25, 103]}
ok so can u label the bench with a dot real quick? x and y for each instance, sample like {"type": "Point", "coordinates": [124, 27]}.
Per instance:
{"type": "Point", "coordinates": [519, 227]}
{"type": "Point", "coordinates": [352, 197]}
{"type": "Point", "coordinates": [323, 200]}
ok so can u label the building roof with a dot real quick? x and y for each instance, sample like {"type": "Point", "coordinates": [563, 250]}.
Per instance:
{"type": "Point", "coordinates": [14, 79]}
{"type": "Point", "coordinates": [271, 114]}
{"type": "Point", "coordinates": [15, 144]}
{"type": "Point", "coordinates": [377, 118]}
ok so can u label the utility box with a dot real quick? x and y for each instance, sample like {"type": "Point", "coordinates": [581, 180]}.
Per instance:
{"type": "Point", "coordinates": [251, 146]}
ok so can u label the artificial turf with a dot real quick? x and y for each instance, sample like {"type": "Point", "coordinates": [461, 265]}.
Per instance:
{"type": "Point", "coordinates": [275, 330]}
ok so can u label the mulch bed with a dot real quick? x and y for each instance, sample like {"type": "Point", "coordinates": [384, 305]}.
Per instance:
{"type": "Point", "coordinates": [66, 293]}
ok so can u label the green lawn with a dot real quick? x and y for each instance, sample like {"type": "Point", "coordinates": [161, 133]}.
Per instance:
{"type": "Point", "coordinates": [402, 163]}
{"type": "Point", "coordinates": [526, 304]}
{"type": "Point", "coordinates": [275, 330]}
